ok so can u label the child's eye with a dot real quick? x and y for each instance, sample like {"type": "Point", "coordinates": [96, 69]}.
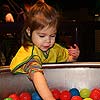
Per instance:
{"type": "Point", "coordinates": [53, 35]}
{"type": "Point", "coordinates": [41, 36]}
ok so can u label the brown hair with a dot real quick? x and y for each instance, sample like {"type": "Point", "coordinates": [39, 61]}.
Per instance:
{"type": "Point", "coordinates": [39, 16]}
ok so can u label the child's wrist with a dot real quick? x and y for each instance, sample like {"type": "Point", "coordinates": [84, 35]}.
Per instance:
{"type": "Point", "coordinates": [71, 59]}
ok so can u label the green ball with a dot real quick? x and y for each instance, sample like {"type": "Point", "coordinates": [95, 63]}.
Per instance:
{"type": "Point", "coordinates": [8, 99]}
{"type": "Point", "coordinates": [85, 93]}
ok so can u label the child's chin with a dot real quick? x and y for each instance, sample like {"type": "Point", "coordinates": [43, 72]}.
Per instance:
{"type": "Point", "coordinates": [44, 50]}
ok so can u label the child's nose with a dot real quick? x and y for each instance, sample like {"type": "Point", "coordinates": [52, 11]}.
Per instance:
{"type": "Point", "coordinates": [48, 39]}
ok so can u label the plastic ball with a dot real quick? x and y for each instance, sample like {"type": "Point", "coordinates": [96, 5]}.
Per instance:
{"type": "Point", "coordinates": [14, 96]}
{"type": "Point", "coordinates": [8, 99]}
{"type": "Point", "coordinates": [95, 94]}
{"type": "Point", "coordinates": [76, 98]}
{"type": "Point", "coordinates": [56, 93]}
{"type": "Point", "coordinates": [25, 96]}
{"type": "Point", "coordinates": [65, 95]}
{"type": "Point", "coordinates": [85, 93]}
{"type": "Point", "coordinates": [87, 99]}
{"type": "Point", "coordinates": [36, 96]}
{"type": "Point", "coordinates": [74, 92]}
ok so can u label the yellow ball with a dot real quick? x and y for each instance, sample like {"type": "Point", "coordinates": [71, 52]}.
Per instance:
{"type": "Point", "coordinates": [87, 99]}
{"type": "Point", "coordinates": [85, 93]}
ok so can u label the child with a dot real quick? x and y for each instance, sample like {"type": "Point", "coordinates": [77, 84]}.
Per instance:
{"type": "Point", "coordinates": [38, 47]}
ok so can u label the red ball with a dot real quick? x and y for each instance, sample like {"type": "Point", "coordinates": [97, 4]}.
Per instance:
{"type": "Point", "coordinates": [76, 98]}
{"type": "Point", "coordinates": [56, 93]}
{"type": "Point", "coordinates": [65, 95]}
{"type": "Point", "coordinates": [25, 96]}
{"type": "Point", "coordinates": [95, 94]}
{"type": "Point", "coordinates": [14, 96]}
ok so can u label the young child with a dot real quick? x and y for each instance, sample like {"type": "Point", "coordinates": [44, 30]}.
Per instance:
{"type": "Point", "coordinates": [38, 47]}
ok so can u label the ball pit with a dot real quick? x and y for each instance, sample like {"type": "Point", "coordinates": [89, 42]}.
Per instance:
{"type": "Point", "coordinates": [85, 94]}
{"type": "Point", "coordinates": [60, 76]}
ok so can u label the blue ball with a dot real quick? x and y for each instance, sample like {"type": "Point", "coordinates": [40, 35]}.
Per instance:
{"type": "Point", "coordinates": [36, 96]}
{"type": "Point", "coordinates": [74, 92]}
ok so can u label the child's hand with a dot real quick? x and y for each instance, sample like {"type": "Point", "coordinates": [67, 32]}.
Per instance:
{"type": "Point", "coordinates": [74, 52]}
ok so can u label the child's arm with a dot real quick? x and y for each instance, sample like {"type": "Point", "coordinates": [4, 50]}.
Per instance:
{"type": "Point", "coordinates": [73, 53]}
{"type": "Point", "coordinates": [33, 68]}
{"type": "Point", "coordinates": [41, 85]}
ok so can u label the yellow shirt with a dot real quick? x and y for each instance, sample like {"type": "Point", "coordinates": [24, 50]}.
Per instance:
{"type": "Point", "coordinates": [56, 54]}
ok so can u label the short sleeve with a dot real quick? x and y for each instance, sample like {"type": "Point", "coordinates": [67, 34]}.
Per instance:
{"type": "Point", "coordinates": [32, 66]}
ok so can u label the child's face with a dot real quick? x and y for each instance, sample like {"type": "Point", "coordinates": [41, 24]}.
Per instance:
{"type": "Point", "coordinates": [44, 38]}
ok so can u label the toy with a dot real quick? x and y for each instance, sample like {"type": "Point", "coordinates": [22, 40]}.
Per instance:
{"type": "Point", "coordinates": [74, 92]}
{"type": "Point", "coordinates": [95, 94]}
{"type": "Point", "coordinates": [87, 99]}
{"type": "Point", "coordinates": [25, 96]}
{"type": "Point", "coordinates": [8, 99]}
{"type": "Point", "coordinates": [56, 93]}
{"type": "Point", "coordinates": [14, 96]}
{"type": "Point", "coordinates": [85, 93]}
{"type": "Point", "coordinates": [65, 95]}
{"type": "Point", "coordinates": [36, 96]}
{"type": "Point", "coordinates": [76, 98]}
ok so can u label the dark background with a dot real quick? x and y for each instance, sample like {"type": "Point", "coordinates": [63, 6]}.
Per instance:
{"type": "Point", "coordinates": [78, 25]}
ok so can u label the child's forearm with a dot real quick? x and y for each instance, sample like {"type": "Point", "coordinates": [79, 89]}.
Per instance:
{"type": "Point", "coordinates": [41, 86]}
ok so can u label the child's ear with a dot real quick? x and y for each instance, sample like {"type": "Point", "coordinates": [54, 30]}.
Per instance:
{"type": "Point", "coordinates": [28, 31]}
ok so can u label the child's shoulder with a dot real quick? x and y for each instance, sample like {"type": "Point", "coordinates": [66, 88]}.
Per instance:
{"type": "Point", "coordinates": [25, 49]}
